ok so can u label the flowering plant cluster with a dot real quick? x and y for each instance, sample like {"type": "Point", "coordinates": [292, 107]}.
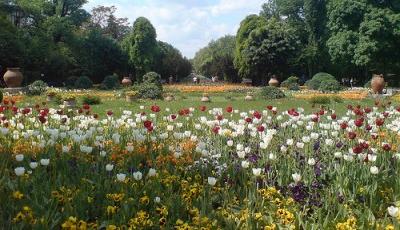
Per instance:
{"type": "Point", "coordinates": [200, 168]}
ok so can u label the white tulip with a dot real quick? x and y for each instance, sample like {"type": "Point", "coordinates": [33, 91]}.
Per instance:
{"type": "Point", "coordinates": [33, 165]}
{"type": "Point", "coordinates": [109, 167]}
{"type": "Point", "coordinates": [212, 181]}
{"type": "Point", "coordinates": [137, 175]}
{"type": "Point", "coordinates": [229, 143]}
{"type": "Point", "coordinates": [44, 162]}
{"type": "Point", "coordinates": [393, 211]}
{"type": "Point", "coordinates": [157, 199]}
{"type": "Point", "coordinates": [19, 171]}
{"type": "Point", "coordinates": [374, 170]}
{"type": "Point", "coordinates": [241, 154]}
{"type": "Point", "coordinates": [311, 161]}
{"type": "Point", "coordinates": [296, 177]}
{"type": "Point", "coordinates": [257, 171]}
{"type": "Point", "coordinates": [152, 173]}
{"type": "Point", "coordinates": [121, 177]}
{"type": "Point", "coordinates": [245, 164]}
{"type": "Point", "coordinates": [103, 153]}
{"type": "Point", "coordinates": [19, 157]}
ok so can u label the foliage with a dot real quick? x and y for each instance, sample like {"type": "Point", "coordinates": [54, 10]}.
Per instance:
{"type": "Point", "coordinates": [330, 86]}
{"type": "Point", "coordinates": [91, 100]}
{"type": "Point", "coordinates": [70, 82]}
{"type": "Point", "coordinates": [216, 59]}
{"type": "Point", "coordinates": [110, 82]}
{"type": "Point", "coordinates": [272, 92]}
{"type": "Point", "coordinates": [1, 96]}
{"type": "Point", "coordinates": [37, 87]}
{"type": "Point", "coordinates": [152, 78]}
{"type": "Point", "coordinates": [318, 78]}
{"type": "Point", "coordinates": [320, 100]}
{"type": "Point", "coordinates": [150, 91]}
{"type": "Point", "coordinates": [171, 63]}
{"type": "Point", "coordinates": [83, 82]}
{"type": "Point", "coordinates": [292, 83]}
{"type": "Point", "coordinates": [141, 47]}
{"type": "Point", "coordinates": [368, 84]}
{"type": "Point", "coordinates": [262, 46]}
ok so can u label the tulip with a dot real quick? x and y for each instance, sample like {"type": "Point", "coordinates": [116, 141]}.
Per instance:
{"type": "Point", "coordinates": [393, 211]}
{"type": "Point", "coordinates": [109, 167]}
{"type": "Point", "coordinates": [152, 173]}
{"type": "Point", "coordinates": [374, 170]}
{"type": "Point", "coordinates": [212, 181]}
{"type": "Point", "coordinates": [33, 165]}
{"type": "Point", "coordinates": [19, 171]}
{"type": "Point", "coordinates": [137, 175]}
{"type": "Point", "coordinates": [19, 157]}
{"type": "Point", "coordinates": [245, 164]}
{"type": "Point", "coordinates": [256, 172]}
{"type": "Point", "coordinates": [121, 177]}
{"type": "Point", "coordinates": [44, 162]}
{"type": "Point", "coordinates": [311, 161]}
{"type": "Point", "coordinates": [296, 177]}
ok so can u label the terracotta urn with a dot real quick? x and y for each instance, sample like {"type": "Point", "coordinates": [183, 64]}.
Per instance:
{"type": "Point", "coordinates": [377, 83]}
{"type": "Point", "coordinates": [126, 81]}
{"type": "Point", "coordinates": [69, 103]}
{"type": "Point", "coordinates": [13, 77]}
{"type": "Point", "coordinates": [273, 81]}
{"type": "Point", "coordinates": [248, 97]}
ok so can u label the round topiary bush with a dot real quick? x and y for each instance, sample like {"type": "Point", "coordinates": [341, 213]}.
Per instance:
{"type": "Point", "coordinates": [315, 82]}
{"type": "Point", "coordinates": [152, 78]}
{"type": "Point", "coordinates": [37, 87]}
{"type": "Point", "coordinates": [110, 82]}
{"type": "Point", "coordinates": [271, 92]}
{"type": "Point", "coordinates": [290, 81]}
{"type": "Point", "coordinates": [329, 86]}
{"type": "Point", "coordinates": [83, 82]}
{"type": "Point", "coordinates": [150, 91]}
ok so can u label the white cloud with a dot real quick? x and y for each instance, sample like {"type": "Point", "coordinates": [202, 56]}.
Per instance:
{"type": "Point", "coordinates": [187, 24]}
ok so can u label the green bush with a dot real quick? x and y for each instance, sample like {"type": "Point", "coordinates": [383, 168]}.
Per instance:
{"type": "Point", "coordinates": [83, 82]}
{"type": "Point", "coordinates": [368, 84]}
{"type": "Point", "coordinates": [290, 81]}
{"type": "Point", "coordinates": [152, 78]}
{"type": "Point", "coordinates": [1, 96]}
{"type": "Point", "coordinates": [37, 88]}
{"type": "Point", "coordinates": [91, 100]}
{"type": "Point", "coordinates": [271, 92]}
{"type": "Point", "coordinates": [329, 86]}
{"type": "Point", "coordinates": [320, 100]}
{"type": "Point", "coordinates": [110, 82]}
{"type": "Point", "coordinates": [70, 82]}
{"type": "Point", "coordinates": [318, 78]}
{"type": "Point", "coordinates": [150, 91]}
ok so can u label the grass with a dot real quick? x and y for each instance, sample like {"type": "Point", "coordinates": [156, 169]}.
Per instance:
{"type": "Point", "coordinates": [218, 100]}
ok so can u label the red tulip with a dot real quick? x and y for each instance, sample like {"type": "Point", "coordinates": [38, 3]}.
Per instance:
{"type": "Point", "coordinates": [229, 109]}
{"type": "Point", "coordinates": [155, 108]}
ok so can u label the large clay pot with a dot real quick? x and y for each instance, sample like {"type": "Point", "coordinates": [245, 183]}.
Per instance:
{"type": "Point", "coordinates": [13, 77]}
{"type": "Point", "coordinates": [377, 83]}
{"type": "Point", "coordinates": [126, 81]}
{"type": "Point", "coordinates": [273, 82]}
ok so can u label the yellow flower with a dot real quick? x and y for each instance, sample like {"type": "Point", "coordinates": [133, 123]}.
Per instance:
{"type": "Point", "coordinates": [18, 195]}
{"type": "Point", "coordinates": [144, 200]}
{"type": "Point", "coordinates": [111, 210]}
{"type": "Point", "coordinates": [112, 227]}
{"type": "Point", "coordinates": [270, 227]}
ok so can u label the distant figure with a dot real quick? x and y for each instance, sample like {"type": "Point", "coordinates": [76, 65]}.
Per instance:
{"type": "Point", "coordinates": [171, 80]}
{"type": "Point", "coordinates": [195, 79]}
{"type": "Point", "coordinates": [198, 80]}
{"type": "Point", "coordinates": [351, 82]}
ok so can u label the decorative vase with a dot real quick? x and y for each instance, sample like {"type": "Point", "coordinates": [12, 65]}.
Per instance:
{"type": "Point", "coordinates": [13, 77]}
{"type": "Point", "coordinates": [273, 82]}
{"type": "Point", "coordinates": [70, 103]}
{"type": "Point", "coordinates": [169, 98]}
{"type": "Point", "coordinates": [205, 99]}
{"type": "Point", "coordinates": [126, 81]}
{"type": "Point", "coordinates": [129, 98]}
{"type": "Point", "coordinates": [377, 83]}
{"type": "Point", "coordinates": [248, 97]}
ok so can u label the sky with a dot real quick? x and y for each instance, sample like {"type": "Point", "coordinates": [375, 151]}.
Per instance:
{"type": "Point", "coordinates": [186, 24]}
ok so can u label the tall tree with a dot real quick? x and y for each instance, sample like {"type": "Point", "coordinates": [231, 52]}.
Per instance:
{"type": "Point", "coordinates": [141, 46]}
{"type": "Point", "coordinates": [365, 34]}
{"type": "Point", "coordinates": [171, 63]}
{"type": "Point", "coordinates": [104, 19]}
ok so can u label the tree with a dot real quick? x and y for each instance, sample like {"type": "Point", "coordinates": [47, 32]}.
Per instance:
{"type": "Point", "coordinates": [263, 47]}
{"type": "Point", "coordinates": [171, 63]}
{"type": "Point", "coordinates": [216, 59]}
{"type": "Point", "coordinates": [104, 19]}
{"type": "Point", "coordinates": [141, 46]}
{"type": "Point", "coordinates": [365, 34]}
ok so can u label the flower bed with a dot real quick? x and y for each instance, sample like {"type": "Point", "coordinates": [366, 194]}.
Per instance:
{"type": "Point", "coordinates": [208, 88]}
{"type": "Point", "coordinates": [349, 94]}
{"type": "Point", "coordinates": [200, 168]}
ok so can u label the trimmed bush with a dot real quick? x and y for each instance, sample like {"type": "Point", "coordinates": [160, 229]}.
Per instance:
{"type": "Point", "coordinates": [271, 92]}
{"type": "Point", "coordinates": [329, 86]}
{"type": "Point", "coordinates": [110, 82]}
{"type": "Point", "coordinates": [290, 81]}
{"type": "Point", "coordinates": [152, 78]}
{"type": "Point", "coordinates": [37, 88]}
{"type": "Point", "coordinates": [368, 84]}
{"type": "Point", "coordinates": [315, 82]}
{"type": "Point", "coordinates": [150, 91]}
{"type": "Point", "coordinates": [70, 82]}
{"type": "Point", "coordinates": [91, 100]}
{"type": "Point", "coordinates": [83, 82]}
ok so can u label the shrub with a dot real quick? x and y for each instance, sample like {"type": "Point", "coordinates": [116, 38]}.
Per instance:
{"type": "Point", "coordinates": [329, 86]}
{"type": "Point", "coordinates": [368, 84]}
{"type": "Point", "coordinates": [315, 82]}
{"type": "Point", "coordinates": [152, 78]}
{"type": "Point", "coordinates": [290, 81]}
{"type": "Point", "coordinates": [83, 82]}
{"type": "Point", "coordinates": [91, 100]}
{"type": "Point", "coordinates": [1, 96]}
{"type": "Point", "coordinates": [37, 87]}
{"type": "Point", "coordinates": [70, 82]}
{"type": "Point", "coordinates": [150, 91]}
{"type": "Point", "coordinates": [320, 100]}
{"type": "Point", "coordinates": [110, 82]}
{"type": "Point", "coordinates": [271, 92]}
